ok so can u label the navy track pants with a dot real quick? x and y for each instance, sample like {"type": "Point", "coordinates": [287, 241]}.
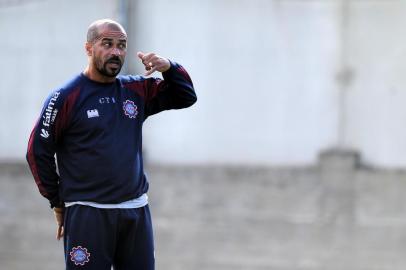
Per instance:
{"type": "Point", "coordinates": [97, 239]}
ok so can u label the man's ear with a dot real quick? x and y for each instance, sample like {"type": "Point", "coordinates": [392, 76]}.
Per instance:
{"type": "Point", "coordinates": [89, 48]}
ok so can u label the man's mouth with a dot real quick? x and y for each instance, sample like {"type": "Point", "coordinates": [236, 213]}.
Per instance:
{"type": "Point", "coordinates": [114, 63]}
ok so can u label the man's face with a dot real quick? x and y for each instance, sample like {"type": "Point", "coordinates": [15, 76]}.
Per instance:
{"type": "Point", "coordinates": [109, 51]}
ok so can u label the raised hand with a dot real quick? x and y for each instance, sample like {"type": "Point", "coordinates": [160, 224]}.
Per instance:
{"type": "Point", "coordinates": [153, 62]}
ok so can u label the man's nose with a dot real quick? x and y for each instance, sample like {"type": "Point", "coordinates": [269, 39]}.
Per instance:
{"type": "Point", "coordinates": [115, 51]}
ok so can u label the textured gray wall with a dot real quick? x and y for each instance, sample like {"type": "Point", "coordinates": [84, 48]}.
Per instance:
{"type": "Point", "coordinates": [334, 216]}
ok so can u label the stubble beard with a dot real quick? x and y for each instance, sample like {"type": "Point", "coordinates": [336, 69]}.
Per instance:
{"type": "Point", "coordinates": [109, 72]}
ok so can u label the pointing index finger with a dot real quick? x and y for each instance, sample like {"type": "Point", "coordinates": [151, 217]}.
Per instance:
{"type": "Point", "coordinates": [140, 55]}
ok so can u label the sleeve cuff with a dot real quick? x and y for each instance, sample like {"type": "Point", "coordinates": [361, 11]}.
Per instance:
{"type": "Point", "coordinates": [172, 68]}
{"type": "Point", "coordinates": [56, 203]}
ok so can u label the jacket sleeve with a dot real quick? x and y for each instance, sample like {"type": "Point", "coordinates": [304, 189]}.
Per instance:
{"type": "Point", "coordinates": [175, 91]}
{"type": "Point", "coordinates": [42, 147]}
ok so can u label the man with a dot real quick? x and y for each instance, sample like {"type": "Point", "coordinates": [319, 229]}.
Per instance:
{"type": "Point", "coordinates": [94, 126]}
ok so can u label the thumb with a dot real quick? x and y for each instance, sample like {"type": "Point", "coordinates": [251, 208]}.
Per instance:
{"type": "Point", "coordinates": [140, 55]}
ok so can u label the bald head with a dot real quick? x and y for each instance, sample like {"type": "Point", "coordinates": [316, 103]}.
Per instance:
{"type": "Point", "coordinates": [97, 28]}
{"type": "Point", "coordinates": [106, 48]}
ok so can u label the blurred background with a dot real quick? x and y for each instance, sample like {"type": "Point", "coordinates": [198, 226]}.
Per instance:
{"type": "Point", "coordinates": [292, 158]}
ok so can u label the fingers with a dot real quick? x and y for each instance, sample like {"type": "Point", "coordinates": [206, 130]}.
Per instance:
{"type": "Point", "coordinates": [59, 217]}
{"type": "Point", "coordinates": [140, 55]}
{"type": "Point", "coordinates": [150, 71]}
{"type": "Point", "coordinates": [148, 59]}
{"type": "Point", "coordinates": [145, 57]}
{"type": "Point", "coordinates": [59, 232]}
{"type": "Point", "coordinates": [153, 62]}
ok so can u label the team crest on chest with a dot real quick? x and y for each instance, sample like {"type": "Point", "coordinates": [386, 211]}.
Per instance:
{"type": "Point", "coordinates": [130, 109]}
{"type": "Point", "coordinates": [79, 255]}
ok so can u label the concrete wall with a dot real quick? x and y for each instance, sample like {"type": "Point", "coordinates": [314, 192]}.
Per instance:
{"type": "Point", "coordinates": [278, 81]}
{"type": "Point", "coordinates": [333, 216]}
{"type": "Point", "coordinates": [374, 99]}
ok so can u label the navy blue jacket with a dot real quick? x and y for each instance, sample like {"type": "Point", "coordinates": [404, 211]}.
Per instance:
{"type": "Point", "coordinates": [95, 130]}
